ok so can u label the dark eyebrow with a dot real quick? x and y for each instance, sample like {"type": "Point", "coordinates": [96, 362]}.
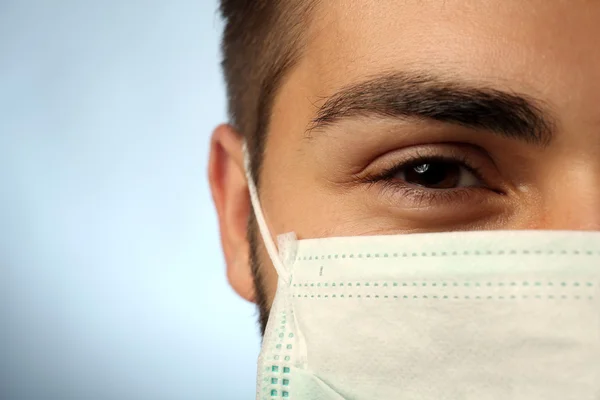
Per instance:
{"type": "Point", "coordinates": [404, 96]}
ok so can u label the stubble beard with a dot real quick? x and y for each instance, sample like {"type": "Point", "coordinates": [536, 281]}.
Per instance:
{"type": "Point", "coordinates": [260, 295]}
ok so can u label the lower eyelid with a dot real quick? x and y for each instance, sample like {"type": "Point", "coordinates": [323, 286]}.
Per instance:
{"type": "Point", "coordinates": [440, 196]}
{"type": "Point", "coordinates": [408, 197]}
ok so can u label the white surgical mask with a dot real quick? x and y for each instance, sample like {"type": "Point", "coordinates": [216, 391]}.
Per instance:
{"type": "Point", "coordinates": [469, 315]}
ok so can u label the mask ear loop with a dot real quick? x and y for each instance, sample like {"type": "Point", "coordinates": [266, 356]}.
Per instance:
{"type": "Point", "coordinates": [260, 219]}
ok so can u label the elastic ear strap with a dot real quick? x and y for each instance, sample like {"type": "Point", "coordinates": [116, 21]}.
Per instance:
{"type": "Point", "coordinates": [260, 218]}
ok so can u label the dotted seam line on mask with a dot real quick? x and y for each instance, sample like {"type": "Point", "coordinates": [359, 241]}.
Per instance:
{"type": "Point", "coordinates": [277, 379]}
{"type": "Point", "coordinates": [444, 297]}
{"type": "Point", "coordinates": [535, 284]}
{"type": "Point", "coordinates": [451, 254]}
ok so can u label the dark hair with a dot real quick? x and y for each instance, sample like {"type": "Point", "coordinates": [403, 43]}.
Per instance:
{"type": "Point", "coordinates": [261, 42]}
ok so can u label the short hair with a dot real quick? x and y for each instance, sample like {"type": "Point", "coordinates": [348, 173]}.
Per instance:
{"type": "Point", "coordinates": [262, 41]}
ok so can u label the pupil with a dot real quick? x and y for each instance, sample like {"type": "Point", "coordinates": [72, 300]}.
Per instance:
{"type": "Point", "coordinates": [439, 175]}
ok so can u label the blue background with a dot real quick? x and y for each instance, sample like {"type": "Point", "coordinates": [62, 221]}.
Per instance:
{"type": "Point", "coordinates": [112, 283]}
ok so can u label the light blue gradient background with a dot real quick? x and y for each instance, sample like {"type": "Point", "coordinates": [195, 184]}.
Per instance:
{"type": "Point", "coordinates": [112, 284]}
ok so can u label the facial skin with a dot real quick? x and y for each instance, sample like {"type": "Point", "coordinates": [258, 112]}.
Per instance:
{"type": "Point", "coordinates": [424, 116]}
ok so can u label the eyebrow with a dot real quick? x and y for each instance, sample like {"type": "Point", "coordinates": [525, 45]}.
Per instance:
{"type": "Point", "coordinates": [422, 97]}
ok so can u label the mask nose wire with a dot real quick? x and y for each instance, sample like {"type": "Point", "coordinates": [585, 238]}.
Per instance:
{"type": "Point", "coordinates": [260, 219]}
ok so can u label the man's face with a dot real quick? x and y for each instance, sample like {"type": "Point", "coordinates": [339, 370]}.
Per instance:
{"type": "Point", "coordinates": [428, 115]}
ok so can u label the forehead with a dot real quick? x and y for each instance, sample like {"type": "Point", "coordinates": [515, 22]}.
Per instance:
{"type": "Point", "coordinates": [543, 47]}
{"type": "Point", "coordinates": [365, 35]}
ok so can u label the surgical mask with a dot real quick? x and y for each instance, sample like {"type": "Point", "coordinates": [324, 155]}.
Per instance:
{"type": "Point", "coordinates": [469, 315]}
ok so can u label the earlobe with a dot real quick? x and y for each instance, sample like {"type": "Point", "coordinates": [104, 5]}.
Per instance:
{"type": "Point", "coordinates": [240, 279]}
{"type": "Point", "coordinates": [230, 194]}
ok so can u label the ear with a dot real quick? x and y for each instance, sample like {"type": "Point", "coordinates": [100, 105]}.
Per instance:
{"type": "Point", "coordinates": [232, 200]}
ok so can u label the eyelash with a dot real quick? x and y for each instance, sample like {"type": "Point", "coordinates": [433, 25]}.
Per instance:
{"type": "Point", "coordinates": [386, 181]}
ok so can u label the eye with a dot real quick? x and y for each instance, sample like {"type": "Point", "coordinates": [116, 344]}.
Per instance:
{"type": "Point", "coordinates": [437, 174]}
{"type": "Point", "coordinates": [444, 181]}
